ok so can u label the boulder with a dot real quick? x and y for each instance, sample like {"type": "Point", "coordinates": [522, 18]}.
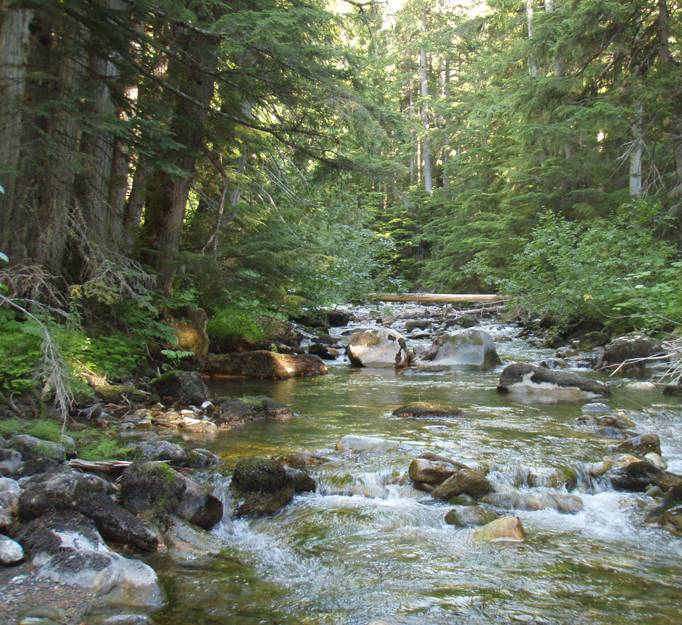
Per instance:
{"type": "Point", "coordinates": [11, 461]}
{"type": "Point", "coordinates": [418, 324]}
{"type": "Point", "coordinates": [198, 458]}
{"type": "Point", "coordinates": [469, 347]}
{"type": "Point", "coordinates": [656, 460]}
{"type": "Point", "coordinates": [430, 472]}
{"type": "Point", "coordinates": [526, 377]}
{"type": "Point", "coordinates": [154, 489]}
{"type": "Point", "coordinates": [198, 426]}
{"type": "Point", "coordinates": [324, 351]}
{"type": "Point", "coordinates": [190, 325]}
{"type": "Point", "coordinates": [261, 364]}
{"type": "Point", "coordinates": [32, 447]}
{"type": "Point", "coordinates": [198, 506]}
{"type": "Point", "coordinates": [160, 449]}
{"type": "Point", "coordinates": [11, 552]}
{"type": "Point", "coordinates": [635, 476]}
{"type": "Point", "coordinates": [186, 387]}
{"type": "Point", "coordinates": [504, 529]}
{"type": "Point", "coordinates": [427, 409]}
{"type": "Point", "coordinates": [464, 481]}
{"type": "Point", "coordinates": [629, 347]}
{"type": "Point", "coordinates": [670, 390]}
{"type": "Point", "coordinates": [671, 519]}
{"type": "Point", "coordinates": [261, 486]}
{"type": "Point", "coordinates": [9, 502]}
{"type": "Point", "coordinates": [470, 516]}
{"type": "Point", "coordinates": [90, 496]}
{"type": "Point", "coordinates": [67, 548]}
{"type": "Point", "coordinates": [338, 318]}
{"type": "Point", "coordinates": [303, 459]}
{"type": "Point", "coordinates": [595, 408]}
{"type": "Point", "coordinates": [188, 545]}
{"type": "Point", "coordinates": [235, 412]}
{"type": "Point", "coordinates": [642, 445]}
{"type": "Point", "coordinates": [303, 483]}
{"type": "Point", "coordinates": [117, 393]}
{"type": "Point", "coordinates": [352, 442]}
{"type": "Point", "coordinates": [378, 347]}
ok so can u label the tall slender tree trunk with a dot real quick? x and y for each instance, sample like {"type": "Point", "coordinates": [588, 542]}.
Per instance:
{"type": "Point", "coordinates": [426, 142]}
{"type": "Point", "coordinates": [636, 151]}
{"type": "Point", "coordinates": [446, 136]}
{"type": "Point", "coordinates": [532, 65]}
{"type": "Point", "coordinates": [167, 194]}
{"type": "Point", "coordinates": [414, 150]}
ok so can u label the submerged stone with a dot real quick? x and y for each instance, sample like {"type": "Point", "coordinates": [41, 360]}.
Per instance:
{"type": "Point", "coordinates": [427, 409]}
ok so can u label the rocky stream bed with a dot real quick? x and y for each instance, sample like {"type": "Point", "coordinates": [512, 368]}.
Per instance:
{"type": "Point", "coordinates": [414, 466]}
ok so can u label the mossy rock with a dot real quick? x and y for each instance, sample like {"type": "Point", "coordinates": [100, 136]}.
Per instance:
{"type": "Point", "coordinates": [427, 409]}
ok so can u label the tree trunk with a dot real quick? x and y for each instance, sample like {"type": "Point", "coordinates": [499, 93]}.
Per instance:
{"type": "Point", "coordinates": [14, 39]}
{"type": "Point", "coordinates": [167, 194]}
{"type": "Point", "coordinates": [636, 151]}
{"type": "Point", "coordinates": [426, 143]}
{"type": "Point", "coordinates": [446, 136]}
{"type": "Point", "coordinates": [413, 151]}
{"type": "Point", "coordinates": [532, 66]}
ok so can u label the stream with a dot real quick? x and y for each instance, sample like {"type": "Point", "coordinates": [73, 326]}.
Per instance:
{"type": "Point", "coordinates": [369, 547]}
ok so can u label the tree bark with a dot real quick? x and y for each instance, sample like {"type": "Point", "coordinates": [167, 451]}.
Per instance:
{"type": "Point", "coordinates": [636, 151]}
{"type": "Point", "coordinates": [446, 136]}
{"type": "Point", "coordinates": [167, 194]}
{"type": "Point", "coordinates": [426, 143]}
{"type": "Point", "coordinates": [532, 66]}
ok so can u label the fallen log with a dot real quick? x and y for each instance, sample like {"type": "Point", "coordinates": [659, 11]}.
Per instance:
{"type": "Point", "coordinates": [435, 298]}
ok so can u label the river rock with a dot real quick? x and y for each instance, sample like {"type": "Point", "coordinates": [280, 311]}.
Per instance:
{"type": "Point", "coordinates": [352, 442]}
{"type": "Point", "coordinates": [32, 447]}
{"type": "Point", "coordinates": [470, 516]}
{"type": "Point", "coordinates": [186, 544]}
{"type": "Point", "coordinates": [429, 471]}
{"type": "Point", "coordinates": [464, 481]}
{"type": "Point", "coordinates": [303, 483]}
{"type": "Point", "coordinates": [261, 486]}
{"type": "Point", "coordinates": [418, 324]}
{"type": "Point", "coordinates": [117, 619]}
{"type": "Point", "coordinates": [508, 528]}
{"type": "Point", "coordinates": [670, 390]}
{"type": "Point", "coordinates": [303, 459]}
{"type": "Point", "coordinates": [89, 495]}
{"type": "Point", "coordinates": [11, 551]}
{"type": "Point", "coordinates": [160, 449]}
{"type": "Point", "coordinates": [337, 318]}
{"type": "Point", "coordinates": [325, 352]}
{"type": "Point", "coordinates": [235, 412]}
{"type": "Point", "coordinates": [628, 347]}
{"type": "Point", "coordinates": [378, 347]}
{"type": "Point", "coordinates": [67, 548]}
{"type": "Point", "coordinates": [155, 490]}
{"type": "Point", "coordinates": [186, 387]}
{"type": "Point", "coordinates": [525, 377]}
{"type": "Point", "coordinates": [643, 444]}
{"type": "Point", "coordinates": [469, 347]}
{"type": "Point", "coordinates": [635, 476]}
{"type": "Point", "coordinates": [427, 409]}
{"type": "Point", "coordinates": [11, 461]}
{"type": "Point", "coordinates": [9, 502]}
{"type": "Point", "coordinates": [595, 408]}
{"type": "Point", "coordinates": [656, 460]}
{"type": "Point", "coordinates": [262, 364]}
{"type": "Point", "coordinates": [671, 519]}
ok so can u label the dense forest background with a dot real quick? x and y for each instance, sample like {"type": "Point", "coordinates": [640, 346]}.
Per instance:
{"type": "Point", "coordinates": [258, 158]}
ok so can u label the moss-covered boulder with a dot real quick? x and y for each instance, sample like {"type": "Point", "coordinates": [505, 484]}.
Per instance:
{"type": "Point", "coordinates": [186, 387]}
{"type": "Point", "coordinates": [464, 481]}
{"type": "Point", "coordinates": [261, 486]}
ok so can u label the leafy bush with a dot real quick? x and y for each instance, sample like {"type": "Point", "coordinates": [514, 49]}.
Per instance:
{"type": "Point", "coordinates": [616, 272]}
{"type": "Point", "coordinates": [236, 322]}
{"type": "Point", "coordinates": [19, 353]}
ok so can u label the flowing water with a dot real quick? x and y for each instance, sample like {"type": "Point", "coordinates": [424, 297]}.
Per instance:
{"type": "Point", "coordinates": [367, 546]}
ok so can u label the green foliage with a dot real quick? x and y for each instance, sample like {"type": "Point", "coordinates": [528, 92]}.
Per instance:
{"type": "Point", "coordinates": [236, 322]}
{"type": "Point", "coordinates": [45, 429]}
{"type": "Point", "coordinates": [102, 445]}
{"type": "Point", "coordinates": [20, 352]}
{"type": "Point", "coordinates": [613, 271]}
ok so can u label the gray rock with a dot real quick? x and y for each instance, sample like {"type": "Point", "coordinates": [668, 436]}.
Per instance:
{"type": "Point", "coordinates": [430, 472]}
{"type": "Point", "coordinates": [187, 544]}
{"type": "Point", "coordinates": [10, 461]}
{"type": "Point", "coordinates": [378, 347]}
{"type": "Point", "coordinates": [469, 348]}
{"type": "Point", "coordinates": [303, 483]}
{"type": "Point", "coordinates": [642, 444]}
{"type": "Point", "coordinates": [11, 551]}
{"type": "Point", "coordinates": [89, 495]}
{"type": "Point", "coordinates": [67, 548]}
{"type": "Point", "coordinates": [9, 502]}
{"type": "Point", "coordinates": [628, 347]}
{"type": "Point", "coordinates": [119, 619]}
{"type": "Point", "coordinates": [357, 443]}
{"type": "Point", "coordinates": [159, 449]}
{"type": "Point", "coordinates": [595, 408]}
{"type": "Point", "coordinates": [522, 376]}
{"type": "Point", "coordinates": [32, 447]}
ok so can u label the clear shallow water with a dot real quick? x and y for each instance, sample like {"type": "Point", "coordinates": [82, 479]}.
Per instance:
{"type": "Point", "coordinates": [368, 546]}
